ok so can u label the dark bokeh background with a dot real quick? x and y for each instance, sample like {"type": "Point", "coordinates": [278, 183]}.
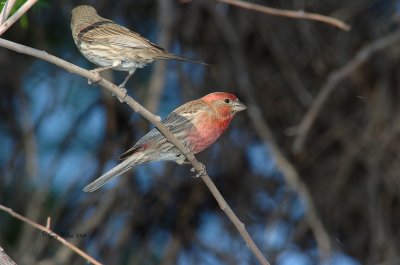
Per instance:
{"type": "Point", "coordinates": [58, 134]}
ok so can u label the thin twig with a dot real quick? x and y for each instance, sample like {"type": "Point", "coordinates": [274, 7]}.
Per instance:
{"type": "Point", "coordinates": [22, 10]}
{"type": "Point", "coordinates": [333, 80]}
{"type": "Point", "coordinates": [49, 233]}
{"type": "Point", "coordinates": [8, 5]}
{"type": "Point", "coordinates": [286, 13]}
{"type": "Point", "coordinates": [199, 167]}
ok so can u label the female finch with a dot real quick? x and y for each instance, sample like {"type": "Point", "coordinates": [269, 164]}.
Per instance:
{"type": "Point", "coordinates": [197, 124]}
{"type": "Point", "coordinates": [109, 45]}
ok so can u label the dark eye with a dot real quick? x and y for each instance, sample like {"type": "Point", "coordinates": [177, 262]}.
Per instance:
{"type": "Point", "coordinates": [227, 100]}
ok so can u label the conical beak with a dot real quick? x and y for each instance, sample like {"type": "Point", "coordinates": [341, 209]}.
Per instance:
{"type": "Point", "coordinates": [238, 106]}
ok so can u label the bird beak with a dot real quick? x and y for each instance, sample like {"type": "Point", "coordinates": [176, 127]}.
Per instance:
{"type": "Point", "coordinates": [238, 106]}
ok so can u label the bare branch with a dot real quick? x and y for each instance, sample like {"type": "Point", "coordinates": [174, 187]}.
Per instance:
{"type": "Point", "coordinates": [50, 233]}
{"type": "Point", "coordinates": [199, 167]}
{"type": "Point", "coordinates": [22, 10]}
{"type": "Point", "coordinates": [286, 13]}
{"type": "Point", "coordinates": [6, 10]}
{"type": "Point", "coordinates": [334, 79]}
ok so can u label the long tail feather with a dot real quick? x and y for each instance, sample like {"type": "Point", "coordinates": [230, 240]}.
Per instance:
{"type": "Point", "coordinates": [114, 172]}
{"type": "Point", "coordinates": [182, 58]}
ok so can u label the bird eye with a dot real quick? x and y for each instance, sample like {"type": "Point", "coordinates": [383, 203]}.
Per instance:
{"type": "Point", "coordinates": [227, 100]}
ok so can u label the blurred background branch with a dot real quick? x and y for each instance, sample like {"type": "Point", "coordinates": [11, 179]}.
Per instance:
{"type": "Point", "coordinates": [166, 17]}
{"type": "Point", "coordinates": [11, 20]}
{"type": "Point", "coordinates": [301, 14]}
{"type": "Point", "coordinates": [5, 12]}
{"type": "Point", "coordinates": [334, 79]}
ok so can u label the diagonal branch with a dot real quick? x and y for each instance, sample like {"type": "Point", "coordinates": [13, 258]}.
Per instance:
{"type": "Point", "coordinates": [334, 79]}
{"type": "Point", "coordinates": [286, 13]}
{"type": "Point", "coordinates": [22, 10]}
{"type": "Point", "coordinates": [50, 233]}
{"type": "Point", "coordinates": [199, 167]}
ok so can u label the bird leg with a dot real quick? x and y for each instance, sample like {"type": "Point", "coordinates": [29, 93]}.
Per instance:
{"type": "Point", "coordinates": [130, 73]}
{"type": "Point", "coordinates": [181, 159]}
{"type": "Point", "coordinates": [100, 69]}
{"type": "Point", "coordinates": [122, 85]}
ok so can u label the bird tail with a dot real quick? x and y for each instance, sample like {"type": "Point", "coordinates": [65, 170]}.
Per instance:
{"type": "Point", "coordinates": [182, 58]}
{"type": "Point", "coordinates": [114, 172]}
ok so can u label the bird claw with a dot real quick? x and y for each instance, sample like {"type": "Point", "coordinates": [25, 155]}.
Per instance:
{"type": "Point", "coordinates": [98, 77]}
{"type": "Point", "coordinates": [158, 117]}
{"type": "Point", "coordinates": [199, 173]}
{"type": "Point", "coordinates": [123, 90]}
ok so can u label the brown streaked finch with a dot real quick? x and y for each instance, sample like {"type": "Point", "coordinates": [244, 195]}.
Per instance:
{"type": "Point", "coordinates": [197, 124]}
{"type": "Point", "coordinates": [109, 45]}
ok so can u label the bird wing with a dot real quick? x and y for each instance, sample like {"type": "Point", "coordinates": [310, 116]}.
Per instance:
{"type": "Point", "coordinates": [109, 32]}
{"type": "Point", "coordinates": [180, 120]}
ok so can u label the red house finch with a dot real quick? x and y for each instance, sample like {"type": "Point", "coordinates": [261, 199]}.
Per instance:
{"type": "Point", "coordinates": [197, 124]}
{"type": "Point", "coordinates": [110, 45]}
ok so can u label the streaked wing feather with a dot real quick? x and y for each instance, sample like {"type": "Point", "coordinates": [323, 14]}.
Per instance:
{"type": "Point", "coordinates": [115, 34]}
{"type": "Point", "coordinates": [177, 121]}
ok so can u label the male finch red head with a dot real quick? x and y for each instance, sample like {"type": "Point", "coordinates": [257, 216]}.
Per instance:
{"type": "Point", "coordinates": [197, 124]}
{"type": "Point", "coordinates": [110, 45]}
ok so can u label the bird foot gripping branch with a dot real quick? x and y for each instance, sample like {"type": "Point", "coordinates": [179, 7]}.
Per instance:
{"type": "Point", "coordinates": [95, 80]}
{"type": "Point", "coordinates": [199, 173]}
{"type": "Point", "coordinates": [124, 91]}
{"type": "Point", "coordinates": [98, 78]}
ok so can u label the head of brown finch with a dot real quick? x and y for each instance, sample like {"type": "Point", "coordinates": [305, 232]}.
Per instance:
{"type": "Point", "coordinates": [109, 45]}
{"type": "Point", "coordinates": [197, 124]}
